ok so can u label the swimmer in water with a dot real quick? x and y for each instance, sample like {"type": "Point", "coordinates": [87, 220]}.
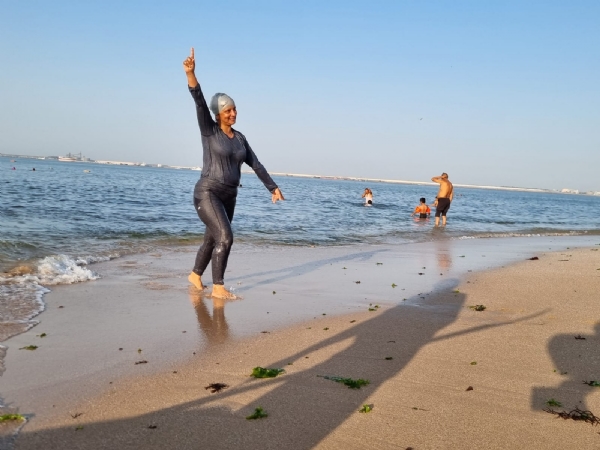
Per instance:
{"type": "Point", "coordinates": [422, 209]}
{"type": "Point", "coordinates": [368, 196]}
{"type": "Point", "coordinates": [224, 152]}
{"type": "Point", "coordinates": [443, 199]}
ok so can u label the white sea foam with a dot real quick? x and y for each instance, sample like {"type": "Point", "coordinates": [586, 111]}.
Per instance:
{"type": "Point", "coordinates": [21, 296]}
{"type": "Point", "coordinates": [60, 269]}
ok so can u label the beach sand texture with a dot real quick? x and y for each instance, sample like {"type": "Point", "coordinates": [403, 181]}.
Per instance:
{"type": "Point", "coordinates": [517, 354]}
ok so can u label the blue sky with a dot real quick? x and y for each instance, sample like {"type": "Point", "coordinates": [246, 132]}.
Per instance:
{"type": "Point", "coordinates": [501, 93]}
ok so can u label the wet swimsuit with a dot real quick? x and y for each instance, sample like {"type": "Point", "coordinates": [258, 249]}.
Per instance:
{"type": "Point", "coordinates": [216, 191]}
{"type": "Point", "coordinates": [423, 215]}
{"type": "Point", "coordinates": [442, 207]}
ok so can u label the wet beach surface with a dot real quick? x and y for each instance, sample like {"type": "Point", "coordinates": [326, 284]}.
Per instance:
{"type": "Point", "coordinates": [145, 304]}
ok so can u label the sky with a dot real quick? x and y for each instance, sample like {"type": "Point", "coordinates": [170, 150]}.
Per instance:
{"type": "Point", "coordinates": [503, 93]}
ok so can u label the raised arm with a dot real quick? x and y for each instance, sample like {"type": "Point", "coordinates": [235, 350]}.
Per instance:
{"type": "Point", "coordinates": [205, 120]}
{"type": "Point", "coordinates": [437, 179]}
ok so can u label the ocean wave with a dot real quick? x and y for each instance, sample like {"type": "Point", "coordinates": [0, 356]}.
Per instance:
{"type": "Point", "coordinates": [536, 233]}
{"type": "Point", "coordinates": [22, 289]}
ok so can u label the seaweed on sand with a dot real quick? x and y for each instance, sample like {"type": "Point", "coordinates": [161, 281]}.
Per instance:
{"type": "Point", "coordinates": [29, 347]}
{"type": "Point", "coordinates": [261, 372]}
{"type": "Point", "coordinates": [258, 413]}
{"type": "Point", "coordinates": [576, 414]}
{"type": "Point", "coordinates": [477, 307]}
{"type": "Point", "coordinates": [216, 387]}
{"type": "Point", "coordinates": [11, 417]}
{"type": "Point", "coordinates": [351, 383]}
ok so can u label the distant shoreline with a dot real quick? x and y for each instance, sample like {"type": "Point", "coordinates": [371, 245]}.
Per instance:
{"type": "Point", "coordinates": [323, 177]}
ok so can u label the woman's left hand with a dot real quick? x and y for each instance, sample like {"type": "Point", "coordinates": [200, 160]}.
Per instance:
{"type": "Point", "coordinates": [277, 195]}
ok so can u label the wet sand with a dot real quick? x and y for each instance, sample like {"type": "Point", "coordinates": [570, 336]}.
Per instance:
{"type": "Point", "coordinates": [305, 302]}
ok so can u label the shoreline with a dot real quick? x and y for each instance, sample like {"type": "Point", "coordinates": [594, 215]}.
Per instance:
{"type": "Point", "coordinates": [143, 302]}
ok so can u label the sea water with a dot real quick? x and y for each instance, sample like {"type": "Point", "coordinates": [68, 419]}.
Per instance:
{"type": "Point", "coordinates": [56, 221]}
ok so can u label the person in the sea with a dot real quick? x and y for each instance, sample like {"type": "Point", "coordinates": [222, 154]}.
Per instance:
{"type": "Point", "coordinates": [422, 209]}
{"type": "Point", "coordinates": [444, 198]}
{"type": "Point", "coordinates": [224, 152]}
{"type": "Point", "coordinates": [368, 196]}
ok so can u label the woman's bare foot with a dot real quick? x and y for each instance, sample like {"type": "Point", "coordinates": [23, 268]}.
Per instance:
{"type": "Point", "coordinates": [219, 291]}
{"type": "Point", "coordinates": [195, 279]}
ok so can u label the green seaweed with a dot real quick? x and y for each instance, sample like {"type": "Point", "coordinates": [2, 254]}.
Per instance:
{"type": "Point", "coordinates": [29, 347]}
{"type": "Point", "coordinates": [258, 413]}
{"type": "Point", "coordinates": [351, 383]}
{"type": "Point", "coordinates": [365, 409]}
{"type": "Point", "coordinates": [473, 363]}
{"type": "Point", "coordinates": [394, 285]}
{"type": "Point", "coordinates": [477, 307]}
{"type": "Point", "coordinates": [261, 372]}
{"type": "Point", "coordinates": [553, 402]}
{"type": "Point", "coordinates": [592, 383]}
{"type": "Point", "coordinates": [274, 292]}
{"type": "Point", "coordinates": [326, 328]}
{"type": "Point", "coordinates": [379, 264]}
{"type": "Point", "coordinates": [43, 335]}
{"type": "Point", "coordinates": [11, 417]}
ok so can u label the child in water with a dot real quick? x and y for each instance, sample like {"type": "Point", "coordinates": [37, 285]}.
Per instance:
{"type": "Point", "coordinates": [368, 196]}
{"type": "Point", "coordinates": [422, 209]}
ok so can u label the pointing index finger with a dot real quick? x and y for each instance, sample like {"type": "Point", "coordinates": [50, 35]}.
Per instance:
{"type": "Point", "coordinates": [192, 53]}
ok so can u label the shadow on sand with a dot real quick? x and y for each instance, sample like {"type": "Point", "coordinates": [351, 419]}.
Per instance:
{"type": "Point", "coordinates": [303, 408]}
{"type": "Point", "coordinates": [576, 358]}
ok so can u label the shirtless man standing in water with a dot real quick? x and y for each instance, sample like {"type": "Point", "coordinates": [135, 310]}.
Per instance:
{"type": "Point", "coordinates": [444, 198]}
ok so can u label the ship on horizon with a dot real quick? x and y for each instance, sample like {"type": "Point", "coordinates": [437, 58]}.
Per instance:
{"type": "Point", "coordinates": [73, 157]}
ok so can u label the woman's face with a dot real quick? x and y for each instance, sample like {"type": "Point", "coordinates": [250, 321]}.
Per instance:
{"type": "Point", "coordinates": [228, 115]}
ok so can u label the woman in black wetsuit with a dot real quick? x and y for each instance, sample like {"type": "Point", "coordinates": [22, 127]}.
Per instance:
{"type": "Point", "coordinates": [224, 152]}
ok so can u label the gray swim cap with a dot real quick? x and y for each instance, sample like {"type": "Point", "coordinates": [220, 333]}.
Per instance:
{"type": "Point", "coordinates": [219, 102]}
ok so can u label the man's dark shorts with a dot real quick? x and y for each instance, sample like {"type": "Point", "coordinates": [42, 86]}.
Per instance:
{"type": "Point", "coordinates": [442, 207]}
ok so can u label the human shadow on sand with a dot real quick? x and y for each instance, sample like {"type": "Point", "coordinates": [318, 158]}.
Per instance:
{"type": "Point", "coordinates": [303, 408]}
{"type": "Point", "coordinates": [577, 360]}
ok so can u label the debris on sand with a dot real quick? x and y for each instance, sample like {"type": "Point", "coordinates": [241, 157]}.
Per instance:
{"type": "Point", "coordinates": [352, 384]}
{"type": "Point", "coordinates": [576, 414]}
{"type": "Point", "coordinates": [259, 413]}
{"type": "Point", "coordinates": [261, 372]}
{"type": "Point", "coordinates": [216, 387]}
{"type": "Point", "coordinates": [477, 307]}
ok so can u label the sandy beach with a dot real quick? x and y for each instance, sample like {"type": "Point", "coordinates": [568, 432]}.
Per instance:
{"type": "Point", "coordinates": [398, 316]}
